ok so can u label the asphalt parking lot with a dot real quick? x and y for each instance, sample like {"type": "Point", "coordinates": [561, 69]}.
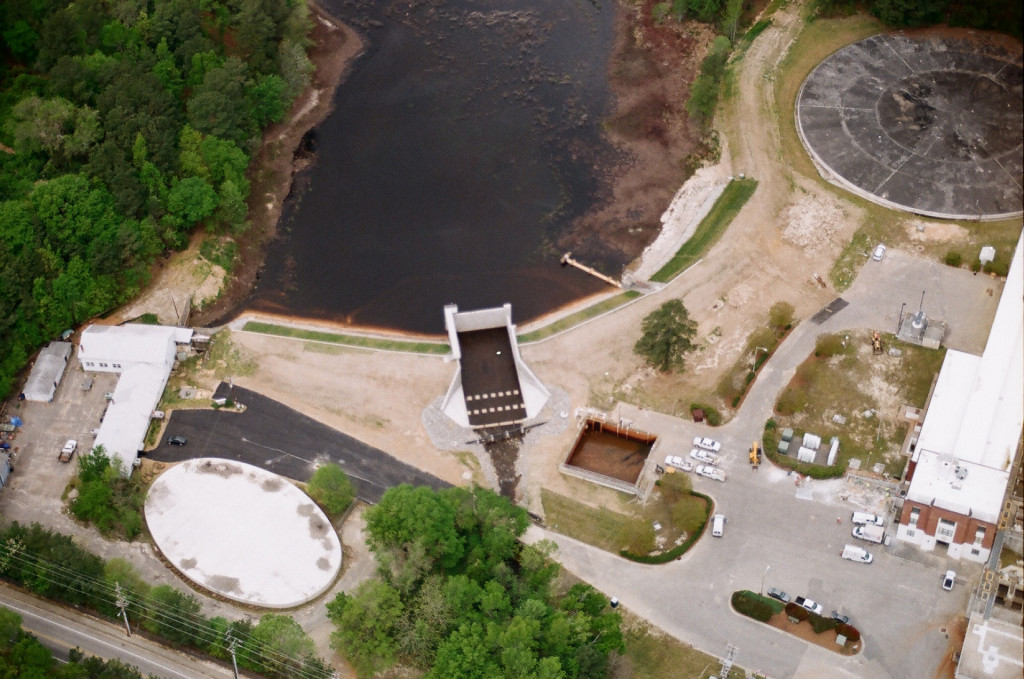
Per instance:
{"type": "Point", "coordinates": [279, 439]}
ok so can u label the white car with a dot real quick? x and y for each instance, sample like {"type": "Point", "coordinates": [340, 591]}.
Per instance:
{"type": "Point", "coordinates": [69, 447]}
{"type": "Point", "coordinates": [711, 472]}
{"type": "Point", "coordinates": [707, 444]}
{"type": "Point", "coordinates": [948, 580]}
{"type": "Point", "coordinates": [879, 253]}
{"type": "Point", "coordinates": [679, 463]}
{"type": "Point", "coordinates": [703, 456]}
{"type": "Point", "coordinates": [809, 605]}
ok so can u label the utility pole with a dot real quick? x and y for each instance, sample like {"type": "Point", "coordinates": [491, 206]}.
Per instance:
{"type": "Point", "coordinates": [231, 649]}
{"type": "Point", "coordinates": [122, 602]}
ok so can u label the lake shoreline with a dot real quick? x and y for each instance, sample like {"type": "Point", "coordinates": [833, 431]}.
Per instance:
{"type": "Point", "coordinates": [649, 70]}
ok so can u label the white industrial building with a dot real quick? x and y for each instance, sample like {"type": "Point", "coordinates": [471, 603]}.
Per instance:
{"type": "Point", "coordinates": [144, 356]}
{"type": "Point", "coordinates": [961, 462]}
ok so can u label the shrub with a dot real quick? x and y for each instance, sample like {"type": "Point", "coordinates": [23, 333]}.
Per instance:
{"type": "Point", "coordinates": [711, 414]}
{"type": "Point", "coordinates": [797, 612]}
{"type": "Point", "coordinates": [954, 258]}
{"type": "Point", "coordinates": [976, 266]}
{"type": "Point", "coordinates": [820, 623]}
{"type": "Point", "coordinates": [331, 488]}
{"type": "Point", "coordinates": [849, 631]}
{"type": "Point", "coordinates": [770, 424]}
{"type": "Point", "coordinates": [752, 605]}
{"type": "Point", "coordinates": [998, 267]}
{"type": "Point", "coordinates": [781, 315]}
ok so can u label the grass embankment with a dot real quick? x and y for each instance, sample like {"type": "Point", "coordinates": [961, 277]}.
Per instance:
{"type": "Point", "coordinates": [579, 317]}
{"type": "Point", "coordinates": [347, 340]}
{"type": "Point", "coordinates": [843, 377]}
{"type": "Point", "coordinates": [710, 229]}
{"type": "Point", "coordinates": [679, 513]}
{"type": "Point", "coordinates": [655, 655]}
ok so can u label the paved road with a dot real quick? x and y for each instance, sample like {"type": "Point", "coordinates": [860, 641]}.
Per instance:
{"type": "Point", "coordinates": [284, 441]}
{"type": "Point", "coordinates": [788, 537]}
{"type": "Point", "coordinates": [59, 629]}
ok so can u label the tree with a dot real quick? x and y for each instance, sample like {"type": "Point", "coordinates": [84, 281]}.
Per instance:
{"type": "Point", "coordinates": [331, 488]}
{"type": "Point", "coordinates": [367, 623]}
{"type": "Point", "coordinates": [407, 515]}
{"type": "Point", "coordinates": [731, 17]}
{"type": "Point", "coordinates": [192, 199]}
{"type": "Point", "coordinates": [667, 336]}
{"type": "Point", "coordinates": [281, 643]}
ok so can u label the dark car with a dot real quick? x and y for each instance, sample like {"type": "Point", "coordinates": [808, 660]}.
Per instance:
{"type": "Point", "coordinates": [778, 594]}
{"type": "Point", "coordinates": [845, 619]}
{"type": "Point", "coordinates": [176, 440]}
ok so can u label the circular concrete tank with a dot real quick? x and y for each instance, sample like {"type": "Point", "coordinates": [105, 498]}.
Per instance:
{"type": "Point", "coordinates": [922, 123]}
{"type": "Point", "coordinates": [243, 532]}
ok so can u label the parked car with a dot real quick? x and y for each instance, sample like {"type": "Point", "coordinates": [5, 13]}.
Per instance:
{"type": "Point", "coordinates": [869, 532]}
{"type": "Point", "coordinates": [948, 580]}
{"type": "Point", "coordinates": [845, 619]}
{"type": "Point", "coordinates": [809, 605]}
{"type": "Point", "coordinates": [679, 463]}
{"type": "Point", "coordinates": [778, 594]}
{"type": "Point", "coordinates": [176, 440]}
{"type": "Point", "coordinates": [703, 456]}
{"type": "Point", "coordinates": [879, 253]}
{"type": "Point", "coordinates": [707, 444]}
{"type": "Point", "coordinates": [710, 472]}
{"type": "Point", "coordinates": [864, 518]}
{"type": "Point", "coordinates": [68, 451]}
{"type": "Point", "coordinates": [718, 525]}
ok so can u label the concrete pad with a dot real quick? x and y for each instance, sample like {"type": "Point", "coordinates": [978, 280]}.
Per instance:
{"type": "Point", "coordinates": [931, 125]}
{"type": "Point", "coordinates": [242, 532]}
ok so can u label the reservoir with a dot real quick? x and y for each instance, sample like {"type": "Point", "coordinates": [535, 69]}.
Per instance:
{"type": "Point", "coordinates": [462, 146]}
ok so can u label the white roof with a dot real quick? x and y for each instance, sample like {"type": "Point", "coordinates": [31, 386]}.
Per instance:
{"type": "Point", "coordinates": [130, 343]}
{"type": "Point", "coordinates": [995, 412]}
{"type": "Point", "coordinates": [941, 427]}
{"type": "Point", "coordinates": [124, 427]}
{"type": "Point", "coordinates": [978, 494]}
{"type": "Point", "coordinates": [47, 371]}
{"type": "Point", "coordinates": [975, 415]}
{"type": "Point", "coordinates": [243, 532]}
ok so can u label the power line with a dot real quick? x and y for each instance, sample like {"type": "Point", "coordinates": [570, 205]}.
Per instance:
{"type": "Point", "coordinates": [149, 608]}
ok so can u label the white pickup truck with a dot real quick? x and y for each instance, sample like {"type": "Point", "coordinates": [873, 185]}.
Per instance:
{"type": "Point", "coordinates": [870, 533]}
{"type": "Point", "coordinates": [703, 456]}
{"type": "Point", "coordinates": [710, 472]}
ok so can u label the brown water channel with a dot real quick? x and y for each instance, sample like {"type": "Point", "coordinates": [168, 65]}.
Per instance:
{"type": "Point", "coordinates": [465, 141]}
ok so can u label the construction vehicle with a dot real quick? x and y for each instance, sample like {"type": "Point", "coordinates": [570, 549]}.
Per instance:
{"type": "Point", "coordinates": [876, 343]}
{"type": "Point", "coordinates": [755, 454]}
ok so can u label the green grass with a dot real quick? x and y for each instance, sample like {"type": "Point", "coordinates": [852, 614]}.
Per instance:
{"type": "Point", "coordinates": [347, 340]}
{"type": "Point", "coordinates": [823, 387]}
{"type": "Point", "coordinates": [654, 655]}
{"type": "Point", "coordinates": [579, 317]}
{"type": "Point", "coordinates": [599, 527]}
{"type": "Point", "coordinates": [710, 228]}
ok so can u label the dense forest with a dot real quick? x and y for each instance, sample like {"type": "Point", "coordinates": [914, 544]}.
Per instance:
{"type": "Point", "coordinates": [460, 597]}
{"type": "Point", "coordinates": [125, 124]}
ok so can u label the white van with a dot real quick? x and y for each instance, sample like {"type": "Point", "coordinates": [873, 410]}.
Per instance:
{"type": "Point", "coordinates": [864, 518]}
{"type": "Point", "coordinates": [858, 554]}
{"type": "Point", "coordinates": [718, 525]}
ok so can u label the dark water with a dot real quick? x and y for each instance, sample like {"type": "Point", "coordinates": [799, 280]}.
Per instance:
{"type": "Point", "coordinates": [462, 146]}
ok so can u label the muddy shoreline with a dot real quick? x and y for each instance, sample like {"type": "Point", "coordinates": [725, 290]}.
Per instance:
{"type": "Point", "coordinates": [649, 70]}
